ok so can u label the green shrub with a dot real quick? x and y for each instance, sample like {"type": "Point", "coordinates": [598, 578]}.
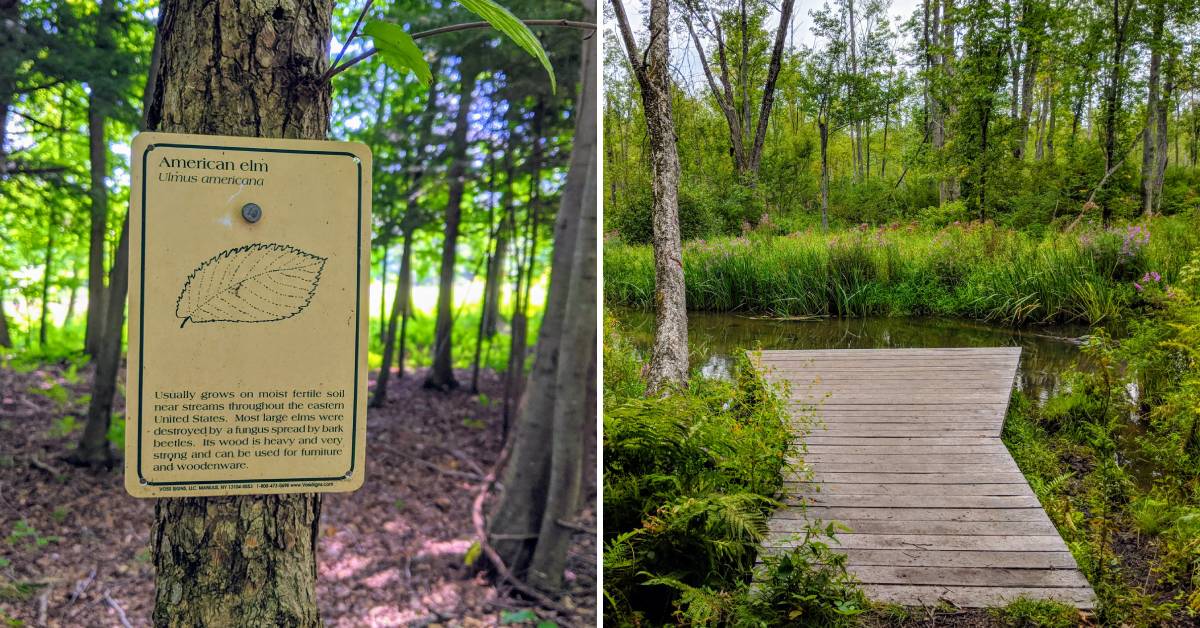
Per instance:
{"type": "Point", "coordinates": [690, 480]}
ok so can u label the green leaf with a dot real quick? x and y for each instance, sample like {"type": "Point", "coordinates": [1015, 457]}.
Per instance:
{"type": "Point", "coordinates": [399, 50]}
{"type": "Point", "coordinates": [505, 22]}
{"type": "Point", "coordinates": [472, 554]}
{"type": "Point", "coordinates": [517, 617]}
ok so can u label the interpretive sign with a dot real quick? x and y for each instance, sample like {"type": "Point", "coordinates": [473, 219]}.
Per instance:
{"type": "Point", "coordinates": [248, 279]}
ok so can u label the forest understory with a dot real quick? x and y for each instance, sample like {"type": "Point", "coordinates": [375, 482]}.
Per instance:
{"type": "Point", "coordinates": [76, 547]}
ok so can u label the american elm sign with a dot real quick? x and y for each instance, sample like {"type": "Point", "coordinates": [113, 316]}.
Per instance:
{"type": "Point", "coordinates": [248, 277]}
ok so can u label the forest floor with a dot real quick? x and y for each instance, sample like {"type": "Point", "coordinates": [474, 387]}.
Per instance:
{"type": "Point", "coordinates": [74, 546]}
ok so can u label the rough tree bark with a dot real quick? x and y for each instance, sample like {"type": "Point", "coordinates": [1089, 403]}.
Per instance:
{"type": "Point", "coordinates": [541, 483]}
{"type": "Point", "coordinates": [669, 358]}
{"type": "Point", "coordinates": [249, 68]}
{"type": "Point", "coordinates": [441, 373]}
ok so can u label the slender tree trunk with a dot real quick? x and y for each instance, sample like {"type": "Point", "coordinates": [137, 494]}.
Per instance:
{"type": "Point", "coordinates": [1149, 140]}
{"type": "Point", "coordinates": [1039, 148]}
{"type": "Point", "coordinates": [823, 128]}
{"type": "Point", "coordinates": [72, 298]}
{"type": "Point", "coordinates": [47, 274]}
{"type": "Point", "coordinates": [1164, 109]}
{"type": "Point", "coordinates": [542, 482]}
{"type": "Point", "coordinates": [495, 281]}
{"type": "Point", "coordinates": [887, 112]}
{"type": "Point", "coordinates": [100, 100]}
{"type": "Point", "coordinates": [5, 336]}
{"type": "Point", "coordinates": [768, 98]}
{"type": "Point", "coordinates": [441, 374]}
{"type": "Point", "coordinates": [1112, 92]}
{"type": "Point", "coordinates": [669, 358]}
{"type": "Point", "coordinates": [1051, 113]}
{"type": "Point", "coordinates": [406, 290]}
{"type": "Point", "coordinates": [245, 560]}
{"type": "Point", "coordinates": [399, 303]}
{"type": "Point", "coordinates": [98, 145]}
{"type": "Point", "coordinates": [492, 232]}
{"type": "Point", "coordinates": [1028, 78]}
{"type": "Point", "coordinates": [11, 50]}
{"type": "Point", "coordinates": [948, 189]}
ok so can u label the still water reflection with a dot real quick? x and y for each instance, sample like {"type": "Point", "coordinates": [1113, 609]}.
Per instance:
{"type": "Point", "coordinates": [1047, 352]}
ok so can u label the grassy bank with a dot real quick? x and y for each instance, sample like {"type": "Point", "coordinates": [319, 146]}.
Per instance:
{"type": "Point", "coordinates": [689, 482]}
{"type": "Point", "coordinates": [971, 270]}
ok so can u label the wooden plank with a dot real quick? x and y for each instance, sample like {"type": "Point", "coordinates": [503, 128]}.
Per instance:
{"type": "Point", "coordinates": [868, 459]}
{"type": "Point", "coordinates": [997, 448]}
{"type": "Point", "coordinates": [918, 467]}
{"type": "Point", "coordinates": [818, 439]}
{"type": "Point", "coordinates": [974, 528]}
{"type": "Point", "coordinates": [842, 488]}
{"type": "Point", "coordinates": [936, 542]}
{"type": "Point", "coordinates": [928, 501]}
{"type": "Point", "coordinates": [850, 513]}
{"type": "Point", "coordinates": [976, 576]}
{"type": "Point", "coordinates": [835, 431]}
{"type": "Point", "coordinates": [976, 597]}
{"type": "Point", "coordinates": [918, 558]}
{"type": "Point", "coordinates": [1012, 477]}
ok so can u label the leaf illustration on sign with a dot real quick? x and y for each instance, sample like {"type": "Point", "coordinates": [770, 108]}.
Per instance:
{"type": "Point", "coordinates": [256, 283]}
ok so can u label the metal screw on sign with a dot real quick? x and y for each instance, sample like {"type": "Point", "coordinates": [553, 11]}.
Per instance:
{"type": "Point", "coordinates": [251, 212]}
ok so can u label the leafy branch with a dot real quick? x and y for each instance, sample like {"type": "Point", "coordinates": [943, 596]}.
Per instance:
{"type": "Point", "coordinates": [400, 51]}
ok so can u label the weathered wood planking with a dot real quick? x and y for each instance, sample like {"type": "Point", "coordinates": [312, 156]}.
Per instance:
{"type": "Point", "coordinates": [904, 449]}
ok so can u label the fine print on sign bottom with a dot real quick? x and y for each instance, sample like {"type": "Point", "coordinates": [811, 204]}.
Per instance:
{"type": "Point", "coordinates": [248, 314]}
{"type": "Point", "coordinates": [218, 430]}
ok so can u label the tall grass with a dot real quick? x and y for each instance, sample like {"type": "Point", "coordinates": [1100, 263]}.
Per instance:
{"type": "Point", "coordinates": [969, 270]}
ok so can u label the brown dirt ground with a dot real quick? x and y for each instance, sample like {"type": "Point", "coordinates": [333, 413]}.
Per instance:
{"type": "Point", "coordinates": [391, 553]}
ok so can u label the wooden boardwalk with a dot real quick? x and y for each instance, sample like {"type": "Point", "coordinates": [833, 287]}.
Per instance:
{"type": "Point", "coordinates": [906, 452]}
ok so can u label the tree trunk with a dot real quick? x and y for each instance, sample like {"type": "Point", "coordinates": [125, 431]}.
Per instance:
{"type": "Point", "coordinates": [823, 128]}
{"type": "Point", "coordinates": [5, 337]}
{"type": "Point", "coordinates": [572, 414]}
{"type": "Point", "coordinates": [948, 188]}
{"type": "Point", "coordinates": [246, 560]}
{"type": "Point", "coordinates": [1164, 108]}
{"type": "Point", "coordinates": [11, 50]}
{"type": "Point", "coordinates": [441, 374]}
{"type": "Point", "coordinates": [399, 303]}
{"type": "Point", "coordinates": [406, 283]}
{"type": "Point", "coordinates": [1149, 141]}
{"type": "Point", "coordinates": [72, 298]}
{"type": "Point", "coordinates": [669, 358]}
{"type": "Point", "coordinates": [495, 280]}
{"type": "Point", "coordinates": [98, 149]}
{"type": "Point", "coordinates": [541, 482]}
{"type": "Point", "coordinates": [47, 274]}
{"type": "Point", "coordinates": [768, 98]}
{"type": "Point", "coordinates": [1112, 92]}
{"type": "Point", "coordinates": [1050, 113]}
